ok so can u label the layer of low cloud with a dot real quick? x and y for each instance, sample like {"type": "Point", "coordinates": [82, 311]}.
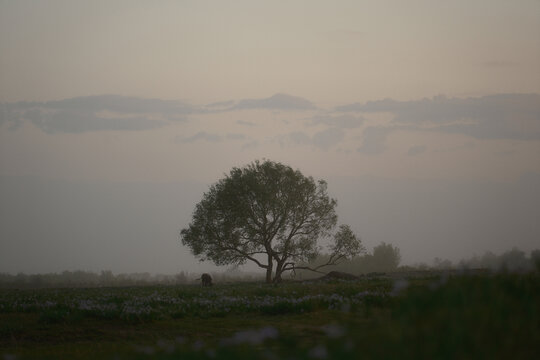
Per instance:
{"type": "Point", "coordinates": [503, 116]}
{"type": "Point", "coordinates": [340, 121]}
{"type": "Point", "coordinates": [275, 102]}
{"type": "Point", "coordinates": [123, 104]}
{"type": "Point", "coordinates": [115, 112]}
{"type": "Point", "coordinates": [246, 123]}
{"type": "Point", "coordinates": [220, 105]}
{"type": "Point", "coordinates": [95, 113]}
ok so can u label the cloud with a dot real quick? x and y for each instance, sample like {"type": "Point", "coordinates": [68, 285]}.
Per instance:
{"type": "Point", "coordinates": [503, 116]}
{"type": "Point", "coordinates": [76, 122]}
{"type": "Point", "coordinates": [373, 140]}
{"type": "Point", "coordinates": [122, 104]}
{"type": "Point", "coordinates": [341, 121]}
{"type": "Point", "coordinates": [209, 137]}
{"type": "Point", "coordinates": [95, 113]}
{"type": "Point", "coordinates": [323, 140]}
{"type": "Point", "coordinates": [221, 105]}
{"type": "Point", "coordinates": [200, 136]}
{"type": "Point", "coordinates": [235, 136]}
{"type": "Point", "coordinates": [275, 102]}
{"type": "Point", "coordinates": [246, 123]}
{"type": "Point", "coordinates": [281, 102]}
{"type": "Point", "coordinates": [416, 150]}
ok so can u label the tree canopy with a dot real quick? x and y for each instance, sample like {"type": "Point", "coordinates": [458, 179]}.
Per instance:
{"type": "Point", "coordinates": [269, 214]}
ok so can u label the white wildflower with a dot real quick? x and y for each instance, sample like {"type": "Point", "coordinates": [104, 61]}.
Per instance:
{"type": "Point", "coordinates": [399, 286]}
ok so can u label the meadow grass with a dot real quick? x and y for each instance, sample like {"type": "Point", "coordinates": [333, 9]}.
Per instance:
{"type": "Point", "coordinates": [434, 316]}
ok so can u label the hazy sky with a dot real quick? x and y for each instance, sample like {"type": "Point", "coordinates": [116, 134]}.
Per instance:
{"type": "Point", "coordinates": [328, 52]}
{"type": "Point", "coordinates": [115, 116]}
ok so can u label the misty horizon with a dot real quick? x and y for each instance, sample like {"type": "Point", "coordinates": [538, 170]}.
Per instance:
{"type": "Point", "coordinates": [122, 217]}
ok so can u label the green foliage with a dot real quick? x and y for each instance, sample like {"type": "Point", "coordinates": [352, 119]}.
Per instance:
{"type": "Point", "coordinates": [346, 243]}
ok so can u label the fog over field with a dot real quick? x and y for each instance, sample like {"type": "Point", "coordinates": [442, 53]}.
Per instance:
{"type": "Point", "coordinates": [116, 117]}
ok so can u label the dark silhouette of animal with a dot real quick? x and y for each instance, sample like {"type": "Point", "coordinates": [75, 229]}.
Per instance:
{"type": "Point", "coordinates": [206, 280]}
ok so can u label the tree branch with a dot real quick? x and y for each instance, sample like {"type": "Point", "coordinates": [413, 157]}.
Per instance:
{"type": "Point", "coordinates": [247, 255]}
{"type": "Point", "coordinates": [331, 261]}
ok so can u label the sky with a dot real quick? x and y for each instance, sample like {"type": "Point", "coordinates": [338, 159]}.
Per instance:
{"type": "Point", "coordinates": [116, 117]}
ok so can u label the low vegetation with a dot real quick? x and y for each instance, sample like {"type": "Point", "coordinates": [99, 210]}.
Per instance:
{"type": "Point", "coordinates": [425, 315]}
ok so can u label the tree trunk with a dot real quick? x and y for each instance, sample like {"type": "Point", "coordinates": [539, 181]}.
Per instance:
{"type": "Point", "coordinates": [269, 270]}
{"type": "Point", "coordinates": [279, 270]}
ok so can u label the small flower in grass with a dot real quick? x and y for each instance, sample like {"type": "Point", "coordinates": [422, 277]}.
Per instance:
{"type": "Point", "coordinates": [399, 286]}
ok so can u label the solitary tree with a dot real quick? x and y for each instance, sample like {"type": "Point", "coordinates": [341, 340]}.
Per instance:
{"type": "Point", "coordinates": [269, 214]}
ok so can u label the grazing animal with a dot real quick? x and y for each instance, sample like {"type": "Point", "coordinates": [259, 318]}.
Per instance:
{"type": "Point", "coordinates": [206, 279]}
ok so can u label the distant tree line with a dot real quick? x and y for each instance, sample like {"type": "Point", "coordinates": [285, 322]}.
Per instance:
{"type": "Point", "coordinates": [384, 258]}
{"type": "Point", "coordinates": [513, 260]}
{"type": "Point", "coordinates": [81, 278]}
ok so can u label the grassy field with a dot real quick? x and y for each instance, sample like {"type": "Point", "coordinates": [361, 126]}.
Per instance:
{"type": "Point", "coordinates": [432, 316]}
